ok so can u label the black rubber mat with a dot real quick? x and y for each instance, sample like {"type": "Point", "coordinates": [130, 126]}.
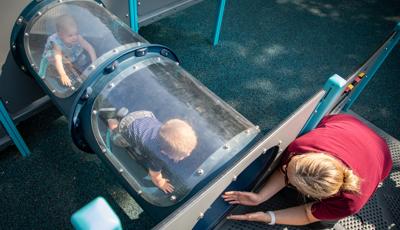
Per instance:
{"type": "Point", "coordinates": [381, 212]}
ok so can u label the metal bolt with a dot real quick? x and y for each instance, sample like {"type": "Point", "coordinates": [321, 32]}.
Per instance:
{"type": "Point", "coordinates": [20, 20]}
{"type": "Point", "coordinates": [138, 3]}
{"type": "Point", "coordinates": [59, 1]}
{"type": "Point", "coordinates": [53, 91]}
{"type": "Point", "coordinates": [23, 68]}
{"type": "Point", "coordinates": [315, 111]}
{"type": "Point", "coordinates": [111, 85]}
{"type": "Point", "coordinates": [72, 88]}
{"type": "Point", "coordinates": [257, 127]}
{"type": "Point", "coordinates": [104, 150]}
{"type": "Point", "coordinates": [279, 142]}
{"type": "Point", "coordinates": [121, 170]}
{"type": "Point", "coordinates": [127, 15]}
{"type": "Point", "coordinates": [247, 131]}
{"type": "Point", "coordinates": [225, 147]}
{"type": "Point", "coordinates": [134, 67]}
{"type": "Point", "coordinates": [6, 102]}
{"type": "Point", "coordinates": [94, 112]}
{"type": "Point", "coordinates": [172, 198]}
{"type": "Point", "coordinates": [140, 192]}
{"type": "Point", "coordinates": [26, 35]}
{"type": "Point", "coordinates": [114, 50]}
{"type": "Point", "coordinates": [176, 63]}
{"type": "Point", "coordinates": [201, 215]}
{"type": "Point", "coordinates": [158, 59]}
{"type": "Point", "coordinates": [39, 13]}
{"type": "Point", "coordinates": [13, 46]}
{"type": "Point", "coordinates": [91, 67]}
{"type": "Point", "coordinates": [200, 172]}
{"type": "Point", "coordinates": [33, 65]}
{"type": "Point", "coordinates": [234, 178]}
{"type": "Point", "coordinates": [264, 150]}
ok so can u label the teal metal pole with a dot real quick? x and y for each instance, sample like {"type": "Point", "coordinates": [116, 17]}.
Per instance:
{"type": "Point", "coordinates": [221, 9]}
{"type": "Point", "coordinates": [133, 15]}
{"type": "Point", "coordinates": [333, 88]}
{"type": "Point", "coordinates": [373, 68]}
{"type": "Point", "coordinates": [12, 131]}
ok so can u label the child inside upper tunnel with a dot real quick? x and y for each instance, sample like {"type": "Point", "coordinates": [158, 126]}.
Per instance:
{"type": "Point", "coordinates": [67, 53]}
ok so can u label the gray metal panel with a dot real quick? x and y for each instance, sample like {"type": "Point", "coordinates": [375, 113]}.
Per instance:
{"type": "Point", "coordinates": [149, 11]}
{"type": "Point", "coordinates": [19, 92]}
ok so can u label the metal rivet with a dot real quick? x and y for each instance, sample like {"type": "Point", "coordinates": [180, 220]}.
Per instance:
{"type": "Point", "coordinates": [234, 178]}
{"type": "Point", "coordinates": [72, 88]}
{"type": "Point", "coordinates": [104, 150]}
{"type": "Point", "coordinates": [121, 170]}
{"type": "Point", "coordinates": [201, 215]}
{"type": "Point", "coordinates": [94, 112]}
{"type": "Point", "coordinates": [264, 150]}
{"type": "Point", "coordinates": [20, 20]}
{"type": "Point", "coordinates": [26, 35]}
{"type": "Point", "coordinates": [91, 67]}
{"type": "Point", "coordinates": [247, 131]}
{"type": "Point", "coordinates": [111, 85]}
{"type": "Point", "coordinates": [134, 67]}
{"type": "Point", "coordinates": [13, 46]}
{"type": "Point", "coordinates": [140, 192]}
{"type": "Point", "coordinates": [23, 68]}
{"type": "Point", "coordinates": [53, 91]}
{"type": "Point", "coordinates": [158, 59]}
{"type": "Point", "coordinates": [33, 65]}
{"type": "Point", "coordinates": [39, 13]}
{"type": "Point", "coordinates": [172, 198]}
{"type": "Point", "coordinates": [176, 63]}
{"type": "Point", "coordinates": [279, 142]}
{"type": "Point", "coordinates": [127, 15]}
{"type": "Point", "coordinates": [138, 3]}
{"type": "Point", "coordinates": [225, 147]}
{"type": "Point", "coordinates": [257, 127]}
{"type": "Point", "coordinates": [114, 50]}
{"type": "Point", "coordinates": [6, 102]}
{"type": "Point", "coordinates": [315, 111]}
{"type": "Point", "coordinates": [200, 172]}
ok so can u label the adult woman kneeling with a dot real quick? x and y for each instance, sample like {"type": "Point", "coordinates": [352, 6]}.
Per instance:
{"type": "Point", "coordinates": [337, 166]}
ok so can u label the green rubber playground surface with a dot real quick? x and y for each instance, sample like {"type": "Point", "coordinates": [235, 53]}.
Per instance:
{"type": "Point", "coordinates": [272, 56]}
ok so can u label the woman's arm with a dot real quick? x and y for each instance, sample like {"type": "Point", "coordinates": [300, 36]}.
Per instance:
{"type": "Point", "coordinates": [60, 66]}
{"type": "Point", "coordinates": [299, 215]}
{"type": "Point", "coordinates": [89, 48]}
{"type": "Point", "coordinates": [274, 184]}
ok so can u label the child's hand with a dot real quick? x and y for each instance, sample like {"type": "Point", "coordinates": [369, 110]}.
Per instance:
{"type": "Point", "coordinates": [165, 186]}
{"type": "Point", "coordinates": [65, 80]}
{"type": "Point", "coordinates": [112, 123]}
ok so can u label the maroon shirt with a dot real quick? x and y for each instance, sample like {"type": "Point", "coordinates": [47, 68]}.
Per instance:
{"type": "Point", "coordinates": [357, 146]}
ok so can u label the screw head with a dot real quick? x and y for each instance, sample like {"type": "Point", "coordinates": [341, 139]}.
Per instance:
{"type": "Point", "coordinates": [172, 198]}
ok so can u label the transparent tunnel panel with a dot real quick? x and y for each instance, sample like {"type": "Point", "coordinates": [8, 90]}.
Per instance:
{"type": "Point", "coordinates": [63, 40]}
{"type": "Point", "coordinates": [156, 120]}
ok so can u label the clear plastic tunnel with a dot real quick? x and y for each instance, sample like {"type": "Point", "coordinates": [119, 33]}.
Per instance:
{"type": "Point", "coordinates": [79, 35]}
{"type": "Point", "coordinates": [129, 101]}
{"type": "Point", "coordinates": [146, 98]}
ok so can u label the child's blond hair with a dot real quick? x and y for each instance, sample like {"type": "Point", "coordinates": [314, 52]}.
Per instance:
{"type": "Point", "coordinates": [179, 138]}
{"type": "Point", "coordinates": [320, 176]}
{"type": "Point", "coordinates": [65, 22]}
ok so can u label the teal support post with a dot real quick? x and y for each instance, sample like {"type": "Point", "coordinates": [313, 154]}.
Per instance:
{"type": "Point", "coordinates": [133, 13]}
{"type": "Point", "coordinates": [333, 88]}
{"type": "Point", "coordinates": [221, 9]}
{"type": "Point", "coordinates": [96, 215]}
{"type": "Point", "coordinates": [12, 131]}
{"type": "Point", "coordinates": [373, 67]}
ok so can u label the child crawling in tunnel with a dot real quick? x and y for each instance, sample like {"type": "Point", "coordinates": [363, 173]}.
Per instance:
{"type": "Point", "coordinates": [67, 52]}
{"type": "Point", "coordinates": [167, 143]}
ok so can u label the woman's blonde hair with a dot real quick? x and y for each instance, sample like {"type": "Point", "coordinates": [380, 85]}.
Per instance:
{"type": "Point", "coordinates": [320, 176]}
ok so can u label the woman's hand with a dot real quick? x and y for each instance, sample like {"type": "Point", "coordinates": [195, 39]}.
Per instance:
{"type": "Point", "coordinates": [254, 216]}
{"type": "Point", "coordinates": [243, 198]}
